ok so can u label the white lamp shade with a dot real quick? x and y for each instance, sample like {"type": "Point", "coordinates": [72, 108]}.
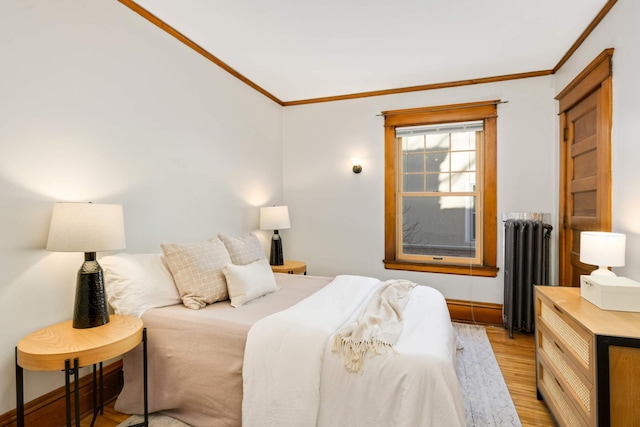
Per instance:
{"type": "Point", "coordinates": [602, 248]}
{"type": "Point", "coordinates": [86, 227]}
{"type": "Point", "coordinates": [274, 218]}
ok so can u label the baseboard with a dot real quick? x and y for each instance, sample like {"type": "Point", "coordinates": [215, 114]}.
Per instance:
{"type": "Point", "coordinates": [477, 312]}
{"type": "Point", "coordinates": [49, 410]}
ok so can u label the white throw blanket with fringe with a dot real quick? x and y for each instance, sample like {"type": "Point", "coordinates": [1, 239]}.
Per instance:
{"type": "Point", "coordinates": [292, 378]}
{"type": "Point", "coordinates": [378, 326]}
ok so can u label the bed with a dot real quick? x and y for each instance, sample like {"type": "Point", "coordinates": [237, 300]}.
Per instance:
{"type": "Point", "coordinates": [270, 360]}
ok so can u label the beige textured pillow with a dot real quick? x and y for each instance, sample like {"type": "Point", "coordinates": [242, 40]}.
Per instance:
{"type": "Point", "coordinates": [197, 271]}
{"type": "Point", "coordinates": [243, 250]}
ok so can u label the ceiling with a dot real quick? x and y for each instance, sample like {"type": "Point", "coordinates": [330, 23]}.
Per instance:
{"type": "Point", "coordinates": [298, 50]}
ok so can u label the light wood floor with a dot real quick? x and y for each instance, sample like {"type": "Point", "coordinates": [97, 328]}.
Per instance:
{"type": "Point", "coordinates": [516, 358]}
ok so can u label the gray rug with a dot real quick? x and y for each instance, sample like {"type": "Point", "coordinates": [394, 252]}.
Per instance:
{"type": "Point", "coordinates": [487, 401]}
{"type": "Point", "coordinates": [155, 420]}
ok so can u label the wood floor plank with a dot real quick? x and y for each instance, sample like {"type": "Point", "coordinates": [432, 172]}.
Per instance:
{"type": "Point", "coordinates": [516, 358]}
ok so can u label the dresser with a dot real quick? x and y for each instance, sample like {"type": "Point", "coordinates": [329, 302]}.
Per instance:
{"type": "Point", "coordinates": [587, 360]}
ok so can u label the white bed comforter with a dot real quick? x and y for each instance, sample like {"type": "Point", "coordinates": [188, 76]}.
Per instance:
{"type": "Point", "coordinates": [292, 378]}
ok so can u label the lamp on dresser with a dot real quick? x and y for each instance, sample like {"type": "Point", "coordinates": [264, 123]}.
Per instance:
{"type": "Point", "coordinates": [603, 249]}
{"type": "Point", "coordinates": [603, 288]}
{"type": "Point", "coordinates": [88, 228]}
{"type": "Point", "coordinates": [275, 218]}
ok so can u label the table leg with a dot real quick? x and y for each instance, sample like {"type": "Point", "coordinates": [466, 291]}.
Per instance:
{"type": "Point", "coordinates": [19, 393]}
{"type": "Point", "coordinates": [98, 408]}
{"type": "Point", "coordinates": [101, 391]}
{"type": "Point", "coordinates": [145, 423]}
{"type": "Point", "coordinates": [67, 390]}
{"type": "Point", "coordinates": [76, 389]}
{"type": "Point", "coordinates": [95, 396]}
{"type": "Point", "coordinates": [144, 366]}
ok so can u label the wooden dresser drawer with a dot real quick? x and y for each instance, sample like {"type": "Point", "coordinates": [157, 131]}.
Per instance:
{"type": "Point", "coordinates": [575, 341]}
{"type": "Point", "coordinates": [576, 386]}
{"type": "Point", "coordinates": [561, 403]}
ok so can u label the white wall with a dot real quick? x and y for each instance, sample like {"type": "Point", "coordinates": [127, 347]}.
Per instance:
{"type": "Point", "coordinates": [337, 217]}
{"type": "Point", "coordinates": [96, 104]}
{"type": "Point", "coordinates": [619, 30]}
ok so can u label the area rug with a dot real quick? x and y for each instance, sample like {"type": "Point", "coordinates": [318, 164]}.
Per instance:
{"type": "Point", "coordinates": [487, 402]}
{"type": "Point", "coordinates": [155, 420]}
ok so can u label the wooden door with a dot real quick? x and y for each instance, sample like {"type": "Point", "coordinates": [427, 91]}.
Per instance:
{"type": "Point", "coordinates": [585, 163]}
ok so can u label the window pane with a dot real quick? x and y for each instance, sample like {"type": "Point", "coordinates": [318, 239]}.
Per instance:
{"type": "Point", "coordinates": [463, 141]}
{"type": "Point", "coordinates": [437, 162]}
{"type": "Point", "coordinates": [413, 183]}
{"type": "Point", "coordinates": [439, 226]}
{"type": "Point", "coordinates": [437, 142]}
{"type": "Point", "coordinates": [433, 183]}
{"type": "Point", "coordinates": [413, 144]}
{"type": "Point", "coordinates": [463, 161]}
{"type": "Point", "coordinates": [413, 163]}
{"type": "Point", "coordinates": [463, 181]}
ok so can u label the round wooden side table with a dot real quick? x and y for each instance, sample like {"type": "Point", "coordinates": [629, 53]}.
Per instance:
{"type": "Point", "coordinates": [290, 267]}
{"type": "Point", "coordinates": [56, 347]}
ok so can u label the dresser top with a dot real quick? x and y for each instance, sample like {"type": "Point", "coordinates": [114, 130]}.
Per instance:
{"type": "Point", "coordinates": [598, 321]}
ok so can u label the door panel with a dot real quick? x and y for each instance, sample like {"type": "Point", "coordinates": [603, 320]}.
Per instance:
{"type": "Point", "coordinates": [584, 204]}
{"type": "Point", "coordinates": [584, 165]}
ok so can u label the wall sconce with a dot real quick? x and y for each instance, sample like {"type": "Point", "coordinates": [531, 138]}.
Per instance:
{"type": "Point", "coordinates": [602, 249]}
{"type": "Point", "coordinates": [357, 165]}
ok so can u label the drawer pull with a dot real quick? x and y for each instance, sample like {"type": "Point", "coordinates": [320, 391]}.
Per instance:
{"type": "Point", "coordinates": [557, 309]}
{"type": "Point", "coordinates": [558, 383]}
{"type": "Point", "coordinates": [558, 347]}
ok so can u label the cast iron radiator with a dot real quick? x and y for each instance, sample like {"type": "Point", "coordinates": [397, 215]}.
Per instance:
{"type": "Point", "coordinates": [526, 263]}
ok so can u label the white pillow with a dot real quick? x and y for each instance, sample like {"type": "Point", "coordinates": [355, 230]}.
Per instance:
{"type": "Point", "coordinates": [197, 271]}
{"type": "Point", "coordinates": [243, 250]}
{"type": "Point", "coordinates": [137, 282]}
{"type": "Point", "coordinates": [248, 282]}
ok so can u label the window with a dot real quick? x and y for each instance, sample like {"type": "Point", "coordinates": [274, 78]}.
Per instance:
{"type": "Point", "coordinates": [440, 189]}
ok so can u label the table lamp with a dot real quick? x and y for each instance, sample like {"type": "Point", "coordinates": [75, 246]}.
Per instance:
{"type": "Point", "coordinates": [603, 249]}
{"type": "Point", "coordinates": [275, 218]}
{"type": "Point", "coordinates": [88, 228]}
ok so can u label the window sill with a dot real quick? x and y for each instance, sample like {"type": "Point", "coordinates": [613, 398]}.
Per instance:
{"type": "Point", "coordinates": [463, 270]}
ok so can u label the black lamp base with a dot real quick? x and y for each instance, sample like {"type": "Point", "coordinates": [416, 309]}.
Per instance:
{"type": "Point", "coordinates": [90, 308]}
{"type": "Point", "coordinates": [276, 257]}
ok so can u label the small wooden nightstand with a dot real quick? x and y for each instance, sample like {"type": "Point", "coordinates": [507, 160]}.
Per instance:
{"type": "Point", "coordinates": [291, 267]}
{"type": "Point", "coordinates": [56, 347]}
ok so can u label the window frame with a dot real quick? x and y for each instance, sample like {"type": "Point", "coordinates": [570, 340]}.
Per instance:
{"type": "Point", "coordinates": [485, 111]}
